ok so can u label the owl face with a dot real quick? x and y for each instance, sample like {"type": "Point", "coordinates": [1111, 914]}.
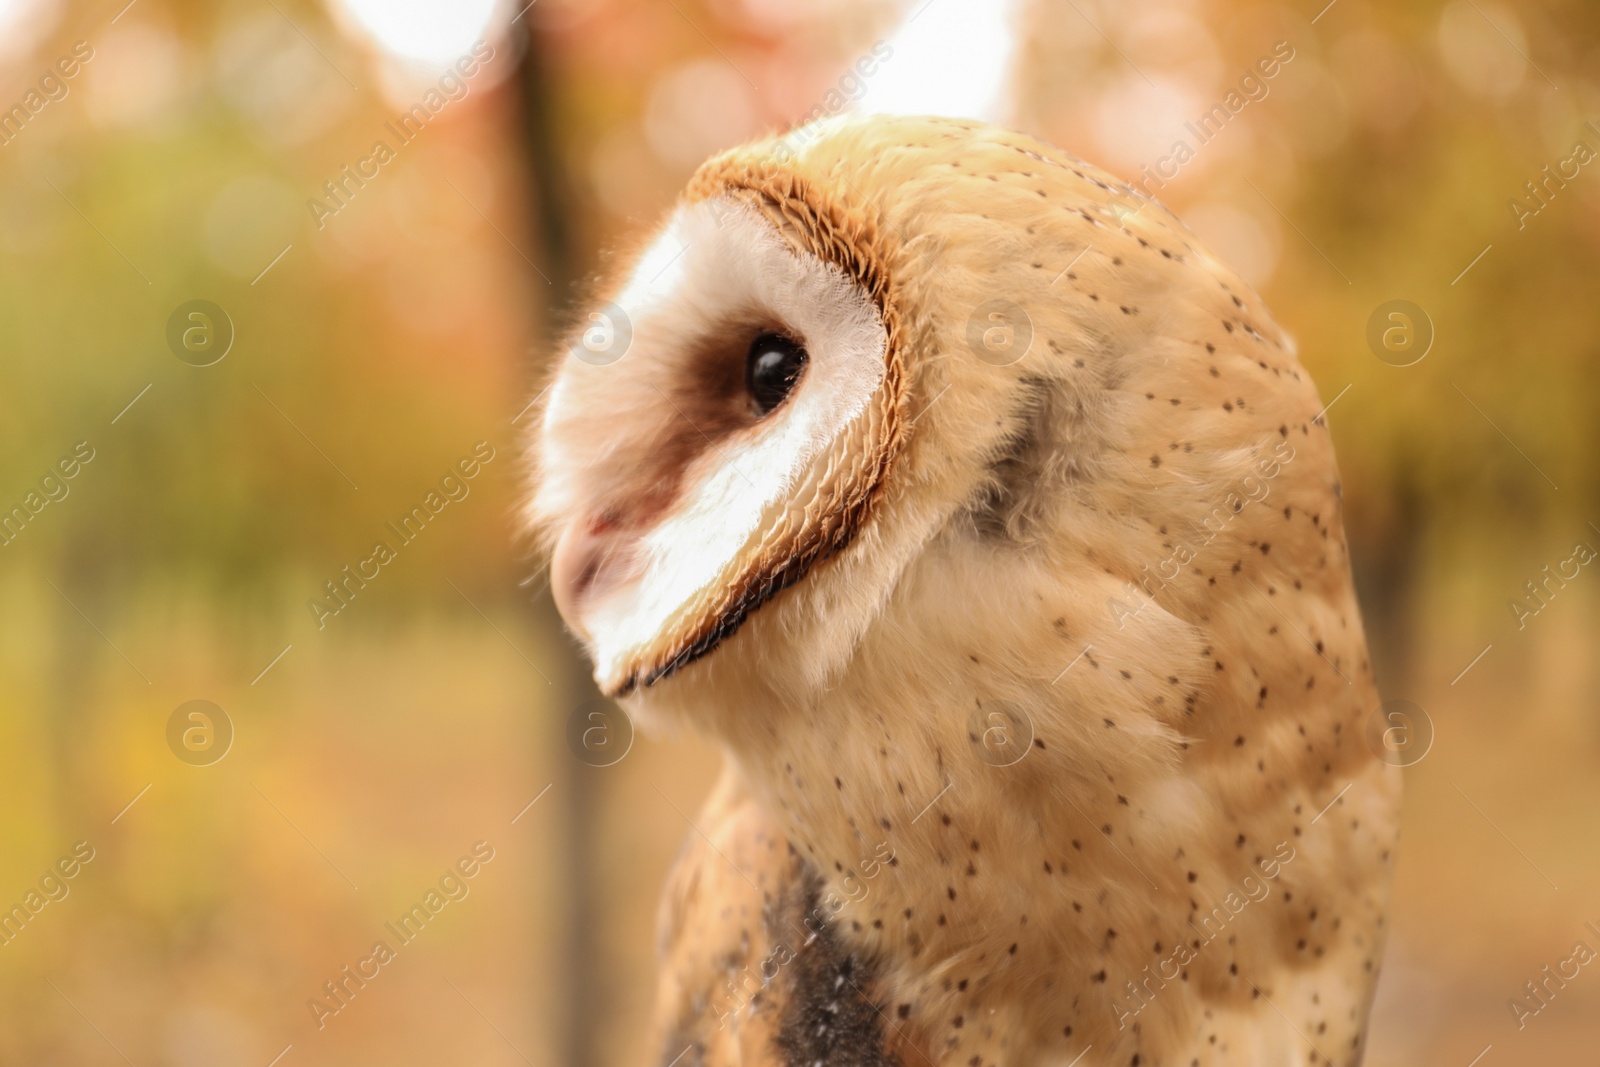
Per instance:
{"type": "Point", "coordinates": [739, 439]}
{"type": "Point", "coordinates": [915, 354]}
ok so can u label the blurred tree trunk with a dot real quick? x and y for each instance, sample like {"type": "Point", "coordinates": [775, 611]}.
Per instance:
{"type": "Point", "coordinates": [1387, 581]}
{"type": "Point", "coordinates": [79, 656]}
{"type": "Point", "coordinates": [550, 210]}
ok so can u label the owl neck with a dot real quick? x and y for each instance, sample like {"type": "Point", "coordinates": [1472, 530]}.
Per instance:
{"type": "Point", "coordinates": [1015, 817]}
{"type": "Point", "coordinates": [969, 848]}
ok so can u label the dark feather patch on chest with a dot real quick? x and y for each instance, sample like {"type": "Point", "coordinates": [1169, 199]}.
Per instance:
{"type": "Point", "coordinates": [828, 1015]}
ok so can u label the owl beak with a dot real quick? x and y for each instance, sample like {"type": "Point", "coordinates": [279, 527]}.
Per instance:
{"type": "Point", "coordinates": [576, 564]}
{"type": "Point", "coordinates": [591, 558]}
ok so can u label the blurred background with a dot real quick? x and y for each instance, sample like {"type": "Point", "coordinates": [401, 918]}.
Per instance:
{"type": "Point", "coordinates": [238, 342]}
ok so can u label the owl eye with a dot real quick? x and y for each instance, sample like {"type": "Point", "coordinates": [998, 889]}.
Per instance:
{"type": "Point", "coordinates": [771, 369]}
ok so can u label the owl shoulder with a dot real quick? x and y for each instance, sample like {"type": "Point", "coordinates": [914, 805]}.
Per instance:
{"type": "Point", "coordinates": [752, 967]}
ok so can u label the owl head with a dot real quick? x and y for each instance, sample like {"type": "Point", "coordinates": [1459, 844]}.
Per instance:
{"type": "Point", "coordinates": [896, 380]}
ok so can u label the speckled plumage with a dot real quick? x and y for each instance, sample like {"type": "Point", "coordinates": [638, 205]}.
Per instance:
{"type": "Point", "coordinates": [1127, 544]}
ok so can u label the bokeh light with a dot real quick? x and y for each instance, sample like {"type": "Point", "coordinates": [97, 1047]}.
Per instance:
{"type": "Point", "coordinates": [952, 57]}
{"type": "Point", "coordinates": [424, 30]}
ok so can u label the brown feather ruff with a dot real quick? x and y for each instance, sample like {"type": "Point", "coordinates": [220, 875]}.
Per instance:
{"type": "Point", "coordinates": [851, 240]}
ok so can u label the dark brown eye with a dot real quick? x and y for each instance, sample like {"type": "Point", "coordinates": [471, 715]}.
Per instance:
{"type": "Point", "coordinates": [771, 369]}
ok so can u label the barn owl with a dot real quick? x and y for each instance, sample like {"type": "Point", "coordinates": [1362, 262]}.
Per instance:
{"type": "Point", "coordinates": [992, 529]}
